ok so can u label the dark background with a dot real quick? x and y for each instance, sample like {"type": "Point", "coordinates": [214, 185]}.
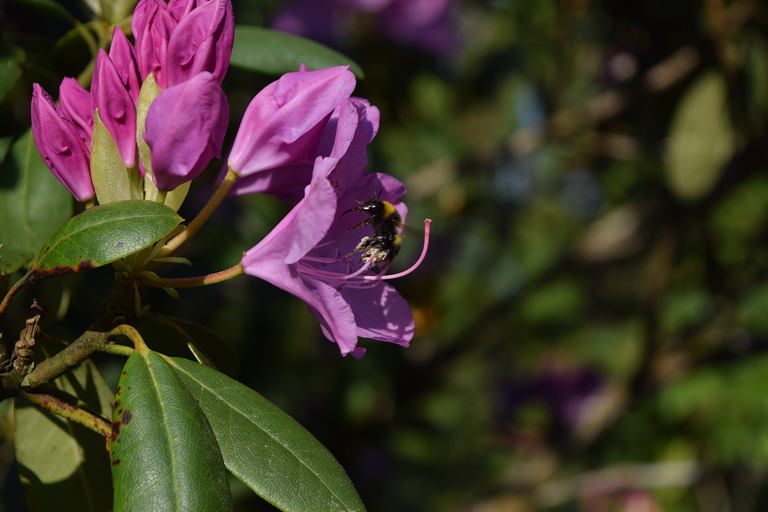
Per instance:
{"type": "Point", "coordinates": [592, 317]}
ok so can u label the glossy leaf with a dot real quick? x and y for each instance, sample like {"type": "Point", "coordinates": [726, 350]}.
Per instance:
{"type": "Point", "coordinates": [164, 455]}
{"type": "Point", "coordinates": [11, 59]}
{"type": "Point", "coordinates": [171, 337]}
{"type": "Point", "coordinates": [272, 52]}
{"type": "Point", "coordinates": [32, 201]}
{"type": "Point", "coordinates": [64, 466]}
{"type": "Point", "coordinates": [701, 138]}
{"type": "Point", "coordinates": [13, 259]}
{"type": "Point", "coordinates": [266, 448]}
{"type": "Point", "coordinates": [102, 235]}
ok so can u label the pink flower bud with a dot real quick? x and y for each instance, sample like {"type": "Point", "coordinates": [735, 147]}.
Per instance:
{"type": "Point", "coordinates": [123, 56]}
{"type": "Point", "coordinates": [152, 26]}
{"type": "Point", "coordinates": [180, 8]}
{"type": "Point", "coordinates": [202, 41]}
{"type": "Point", "coordinates": [60, 145]}
{"type": "Point", "coordinates": [284, 122]}
{"type": "Point", "coordinates": [185, 129]}
{"type": "Point", "coordinates": [116, 107]}
{"type": "Point", "coordinates": [76, 105]}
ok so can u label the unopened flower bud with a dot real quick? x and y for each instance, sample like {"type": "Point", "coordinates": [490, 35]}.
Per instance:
{"type": "Point", "coordinates": [185, 129]}
{"type": "Point", "coordinates": [60, 145]}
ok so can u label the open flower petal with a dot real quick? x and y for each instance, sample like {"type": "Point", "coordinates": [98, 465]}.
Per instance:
{"type": "Point", "coordinates": [284, 122]}
{"type": "Point", "coordinates": [287, 182]}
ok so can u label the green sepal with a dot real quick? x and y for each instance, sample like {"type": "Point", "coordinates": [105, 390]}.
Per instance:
{"type": "Point", "coordinates": [111, 180]}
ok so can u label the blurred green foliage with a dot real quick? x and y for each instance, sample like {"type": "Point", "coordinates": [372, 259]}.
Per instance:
{"type": "Point", "coordinates": [592, 318]}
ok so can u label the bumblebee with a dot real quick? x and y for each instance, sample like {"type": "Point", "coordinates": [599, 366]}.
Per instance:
{"type": "Point", "coordinates": [385, 243]}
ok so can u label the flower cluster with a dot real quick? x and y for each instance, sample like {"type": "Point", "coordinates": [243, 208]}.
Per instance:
{"type": "Point", "coordinates": [158, 109]}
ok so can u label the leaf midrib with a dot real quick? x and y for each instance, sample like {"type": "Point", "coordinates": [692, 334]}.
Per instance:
{"type": "Point", "coordinates": [207, 388]}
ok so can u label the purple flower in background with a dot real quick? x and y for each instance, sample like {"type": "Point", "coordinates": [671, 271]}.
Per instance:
{"type": "Point", "coordinates": [175, 41]}
{"type": "Point", "coordinates": [76, 105]}
{"type": "Point", "coordinates": [563, 388]}
{"type": "Point", "coordinates": [185, 127]}
{"type": "Point", "coordinates": [284, 123]}
{"type": "Point", "coordinates": [303, 254]}
{"type": "Point", "coordinates": [61, 146]}
{"type": "Point", "coordinates": [426, 24]}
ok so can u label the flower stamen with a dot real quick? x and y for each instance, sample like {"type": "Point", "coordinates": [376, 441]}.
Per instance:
{"type": "Point", "coordinates": [359, 278]}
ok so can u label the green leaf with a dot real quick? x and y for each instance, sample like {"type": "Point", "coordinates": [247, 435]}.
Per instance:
{"type": "Point", "coordinates": [64, 466]}
{"type": "Point", "coordinates": [49, 7]}
{"type": "Point", "coordinates": [266, 448]}
{"type": "Point", "coordinates": [13, 259]}
{"type": "Point", "coordinates": [11, 58]}
{"type": "Point", "coordinates": [271, 52]}
{"type": "Point", "coordinates": [701, 138]}
{"type": "Point", "coordinates": [32, 201]}
{"type": "Point", "coordinates": [164, 455]}
{"type": "Point", "coordinates": [166, 334]}
{"type": "Point", "coordinates": [102, 235]}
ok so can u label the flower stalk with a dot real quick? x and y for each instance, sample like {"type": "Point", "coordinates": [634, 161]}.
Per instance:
{"type": "Point", "coordinates": [150, 279]}
{"type": "Point", "coordinates": [192, 228]}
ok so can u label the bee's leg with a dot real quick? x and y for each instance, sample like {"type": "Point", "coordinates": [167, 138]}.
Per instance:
{"type": "Point", "coordinates": [364, 244]}
{"type": "Point", "coordinates": [366, 221]}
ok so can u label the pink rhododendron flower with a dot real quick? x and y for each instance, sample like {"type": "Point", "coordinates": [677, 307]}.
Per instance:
{"type": "Point", "coordinates": [182, 38]}
{"type": "Point", "coordinates": [284, 122]}
{"type": "Point", "coordinates": [185, 127]}
{"type": "Point", "coordinates": [287, 182]}
{"type": "Point", "coordinates": [346, 307]}
{"type": "Point", "coordinates": [152, 26]}
{"type": "Point", "coordinates": [76, 105]}
{"type": "Point", "coordinates": [202, 41]}
{"type": "Point", "coordinates": [117, 109]}
{"type": "Point", "coordinates": [426, 24]}
{"type": "Point", "coordinates": [303, 254]}
{"type": "Point", "coordinates": [60, 145]}
{"type": "Point", "coordinates": [123, 56]}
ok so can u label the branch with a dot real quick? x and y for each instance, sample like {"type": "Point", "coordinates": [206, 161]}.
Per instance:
{"type": "Point", "coordinates": [70, 412]}
{"type": "Point", "coordinates": [80, 350]}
